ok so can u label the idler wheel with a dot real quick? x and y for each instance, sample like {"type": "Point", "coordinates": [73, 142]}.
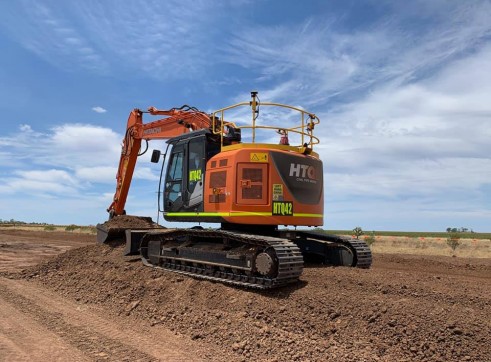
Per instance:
{"type": "Point", "coordinates": [265, 264]}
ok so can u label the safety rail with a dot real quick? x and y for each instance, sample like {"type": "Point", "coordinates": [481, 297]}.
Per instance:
{"type": "Point", "coordinates": [305, 129]}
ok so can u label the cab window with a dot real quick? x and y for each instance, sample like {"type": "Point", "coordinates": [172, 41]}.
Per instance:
{"type": "Point", "coordinates": [196, 163]}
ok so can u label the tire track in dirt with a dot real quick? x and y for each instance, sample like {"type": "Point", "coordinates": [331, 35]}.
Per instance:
{"type": "Point", "coordinates": [86, 334]}
{"type": "Point", "coordinates": [89, 342]}
{"type": "Point", "coordinates": [22, 339]}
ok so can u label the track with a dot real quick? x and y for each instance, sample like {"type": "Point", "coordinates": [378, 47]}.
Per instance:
{"type": "Point", "coordinates": [288, 260]}
{"type": "Point", "coordinates": [330, 247]}
{"type": "Point", "coordinates": [362, 253]}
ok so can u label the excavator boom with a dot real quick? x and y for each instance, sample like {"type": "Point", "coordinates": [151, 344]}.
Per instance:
{"type": "Point", "coordinates": [176, 122]}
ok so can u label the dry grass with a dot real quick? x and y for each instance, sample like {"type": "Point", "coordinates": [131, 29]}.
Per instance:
{"type": "Point", "coordinates": [471, 248]}
{"type": "Point", "coordinates": [50, 228]}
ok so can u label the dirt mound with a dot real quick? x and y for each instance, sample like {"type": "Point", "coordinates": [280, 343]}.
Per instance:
{"type": "Point", "coordinates": [341, 314]}
{"type": "Point", "coordinates": [131, 222]}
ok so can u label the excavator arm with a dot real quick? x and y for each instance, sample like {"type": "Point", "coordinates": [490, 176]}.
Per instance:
{"type": "Point", "coordinates": [175, 123]}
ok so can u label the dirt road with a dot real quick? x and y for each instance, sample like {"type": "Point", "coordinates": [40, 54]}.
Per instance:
{"type": "Point", "coordinates": [37, 324]}
{"type": "Point", "coordinates": [93, 304]}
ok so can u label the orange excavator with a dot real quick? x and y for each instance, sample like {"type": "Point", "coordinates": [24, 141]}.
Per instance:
{"type": "Point", "coordinates": [249, 188]}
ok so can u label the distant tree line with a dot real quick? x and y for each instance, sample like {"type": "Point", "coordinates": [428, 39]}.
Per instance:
{"type": "Point", "coordinates": [17, 222]}
{"type": "Point", "coordinates": [459, 230]}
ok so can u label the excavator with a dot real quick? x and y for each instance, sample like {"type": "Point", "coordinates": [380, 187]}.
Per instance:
{"type": "Point", "coordinates": [238, 175]}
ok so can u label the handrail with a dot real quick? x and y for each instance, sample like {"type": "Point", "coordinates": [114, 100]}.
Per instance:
{"type": "Point", "coordinates": [305, 129]}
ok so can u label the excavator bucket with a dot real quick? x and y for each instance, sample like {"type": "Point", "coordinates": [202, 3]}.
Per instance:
{"type": "Point", "coordinates": [106, 234]}
{"type": "Point", "coordinates": [116, 227]}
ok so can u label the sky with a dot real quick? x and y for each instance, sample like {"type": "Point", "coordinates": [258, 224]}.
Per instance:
{"type": "Point", "coordinates": [402, 89]}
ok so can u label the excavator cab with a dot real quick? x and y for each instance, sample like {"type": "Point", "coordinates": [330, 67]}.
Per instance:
{"type": "Point", "coordinates": [184, 180]}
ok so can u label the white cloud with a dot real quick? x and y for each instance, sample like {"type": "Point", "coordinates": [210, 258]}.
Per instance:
{"type": "Point", "coordinates": [25, 128]}
{"type": "Point", "coordinates": [66, 145]}
{"type": "Point", "coordinates": [99, 109]}
{"type": "Point", "coordinates": [145, 173]}
{"type": "Point", "coordinates": [315, 62]}
{"type": "Point", "coordinates": [58, 162]}
{"type": "Point", "coordinates": [48, 32]}
{"type": "Point", "coordinates": [52, 181]}
{"type": "Point", "coordinates": [426, 110]}
{"type": "Point", "coordinates": [101, 174]}
{"type": "Point", "coordinates": [80, 144]}
{"type": "Point", "coordinates": [430, 137]}
{"type": "Point", "coordinates": [68, 160]}
{"type": "Point", "coordinates": [96, 36]}
{"type": "Point", "coordinates": [107, 174]}
{"type": "Point", "coordinates": [48, 176]}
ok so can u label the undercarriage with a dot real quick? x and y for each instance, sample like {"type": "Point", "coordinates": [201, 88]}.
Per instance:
{"type": "Point", "coordinates": [239, 258]}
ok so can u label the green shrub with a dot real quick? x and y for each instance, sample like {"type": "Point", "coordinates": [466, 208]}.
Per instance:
{"type": "Point", "coordinates": [358, 231]}
{"type": "Point", "coordinates": [453, 240]}
{"type": "Point", "coordinates": [370, 239]}
{"type": "Point", "coordinates": [72, 227]}
{"type": "Point", "coordinates": [49, 228]}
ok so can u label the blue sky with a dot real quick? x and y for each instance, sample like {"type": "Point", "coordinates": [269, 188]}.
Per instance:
{"type": "Point", "coordinates": [403, 91]}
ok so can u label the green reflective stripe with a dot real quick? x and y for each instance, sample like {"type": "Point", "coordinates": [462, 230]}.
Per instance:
{"type": "Point", "coordinates": [247, 213]}
{"type": "Point", "coordinates": [233, 214]}
{"type": "Point", "coordinates": [197, 213]}
{"type": "Point", "coordinates": [308, 215]}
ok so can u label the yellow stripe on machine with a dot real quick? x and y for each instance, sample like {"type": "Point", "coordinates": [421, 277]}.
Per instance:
{"type": "Point", "coordinates": [196, 213]}
{"type": "Point", "coordinates": [307, 215]}
{"type": "Point", "coordinates": [256, 146]}
{"type": "Point", "coordinates": [233, 214]}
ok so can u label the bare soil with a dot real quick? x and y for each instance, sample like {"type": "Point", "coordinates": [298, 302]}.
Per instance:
{"type": "Point", "coordinates": [131, 221]}
{"type": "Point", "coordinates": [20, 248]}
{"type": "Point", "coordinates": [91, 303]}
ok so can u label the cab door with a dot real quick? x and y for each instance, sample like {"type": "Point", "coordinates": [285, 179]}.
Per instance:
{"type": "Point", "coordinates": [174, 179]}
{"type": "Point", "coordinates": [184, 181]}
{"type": "Point", "coordinates": [194, 188]}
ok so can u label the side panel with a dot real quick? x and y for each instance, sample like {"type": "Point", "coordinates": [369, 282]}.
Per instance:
{"type": "Point", "coordinates": [265, 187]}
{"type": "Point", "coordinates": [252, 184]}
{"type": "Point", "coordinates": [303, 176]}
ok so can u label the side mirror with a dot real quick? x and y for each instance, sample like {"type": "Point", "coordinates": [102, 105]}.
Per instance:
{"type": "Point", "coordinates": [155, 156]}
